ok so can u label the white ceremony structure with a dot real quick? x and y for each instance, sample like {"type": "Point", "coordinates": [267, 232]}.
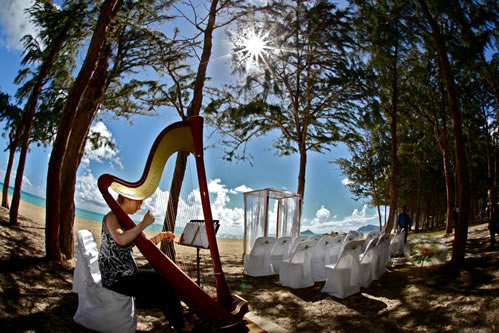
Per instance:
{"type": "Point", "coordinates": [258, 223]}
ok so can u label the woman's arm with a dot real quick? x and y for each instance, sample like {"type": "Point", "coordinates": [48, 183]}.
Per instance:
{"type": "Point", "coordinates": [162, 235]}
{"type": "Point", "coordinates": [125, 237]}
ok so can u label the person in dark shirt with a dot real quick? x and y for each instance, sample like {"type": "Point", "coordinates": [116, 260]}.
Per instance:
{"type": "Point", "coordinates": [404, 222]}
{"type": "Point", "coordinates": [120, 273]}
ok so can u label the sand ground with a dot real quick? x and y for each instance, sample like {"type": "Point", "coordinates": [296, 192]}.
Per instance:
{"type": "Point", "coordinates": [36, 296]}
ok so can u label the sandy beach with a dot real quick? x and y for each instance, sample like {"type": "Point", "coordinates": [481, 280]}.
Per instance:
{"type": "Point", "coordinates": [36, 296]}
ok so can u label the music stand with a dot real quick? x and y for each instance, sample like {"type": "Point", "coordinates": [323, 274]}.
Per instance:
{"type": "Point", "coordinates": [194, 235]}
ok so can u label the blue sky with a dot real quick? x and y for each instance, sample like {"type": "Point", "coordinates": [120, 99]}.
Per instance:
{"type": "Point", "coordinates": [327, 203]}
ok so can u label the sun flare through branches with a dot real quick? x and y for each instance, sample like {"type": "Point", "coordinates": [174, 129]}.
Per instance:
{"type": "Point", "coordinates": [250, 48]}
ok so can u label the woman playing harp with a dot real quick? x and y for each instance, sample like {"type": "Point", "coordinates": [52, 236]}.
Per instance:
{"type": "Point", "coordinates": [120, 273]}
{"type": "Point", "coordinates": [225, 309]}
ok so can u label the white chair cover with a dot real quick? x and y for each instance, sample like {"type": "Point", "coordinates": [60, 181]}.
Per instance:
{"type": "Point", "coordinates": [368, 263]}
{"type": "Point", "coordinates": [370, 235]}
{"type": "Point", "coordinates": [334, 250]}
{"type": "Point", "coordinates": [297, 271]}
{"type": "Point", "coordinates": [343, 277]}
{"type": "Point", "coordinates": [383, 255]}
{"type": "Point", "coordinates": [257, 262]}
{"type": "Point", "coordinates": [356, 234]}
{"type": "Point", "coordinates": [280, 252]}
{"type": "Point", "coordinates": [397, 244]}
{"type": "Point", "coordinates": [359, 243]}
{"type": "Point", "coordinates": [319, 258]}
{"type": "Point", "coordinates": [99, 309]}
{"type": "Point", "coordinates": [297, 241]}
{"type": "Point", "coordinates": [351, 236]}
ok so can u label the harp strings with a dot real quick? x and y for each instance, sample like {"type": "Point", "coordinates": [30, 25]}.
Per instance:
{"type": "Point", "coordinates": [189, 208]}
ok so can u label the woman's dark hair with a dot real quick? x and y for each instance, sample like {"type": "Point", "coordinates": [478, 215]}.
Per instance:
{"type": "Point", "coordinates": [120, 199]}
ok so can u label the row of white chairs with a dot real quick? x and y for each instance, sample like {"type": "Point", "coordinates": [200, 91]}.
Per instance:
{"type": "Point", "coordinates": [267, 253]}
{"type": "Point", "coordinates": [345, 262]}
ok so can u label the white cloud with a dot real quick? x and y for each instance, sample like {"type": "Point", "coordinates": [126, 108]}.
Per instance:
{"type": "Point", "coordinates": [345, 181]}
{"type": "Point", "coordinates": [242, 189]}
{"type": "Point", "coordinates": [258, 2]}
{"type": "Point", "coordinates": [15, 23]}
{"type": "Point", "coordinates": [231, 219]}
{"type": "Point", "coordinates": [87, 194]}
{"type": "Point", "coordinates": [323, 224]}
{"type": "Point", "coordinates": [322, 213]}
{"type": "Point", "coordinates": [26, 185]}
{"type": "Point", "coordinates": [103, 152]}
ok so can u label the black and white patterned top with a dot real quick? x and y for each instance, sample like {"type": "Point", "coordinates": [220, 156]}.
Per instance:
{"type": "Point", "coordinates": [115, 261]}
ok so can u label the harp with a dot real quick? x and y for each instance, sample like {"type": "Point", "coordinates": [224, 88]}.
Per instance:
{"type": "Point", "coordinates": [226, 310]}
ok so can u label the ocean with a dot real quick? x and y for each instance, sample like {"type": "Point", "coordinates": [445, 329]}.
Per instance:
{"type": "Point", "coordinates": [92, 216]}
{"type": "Point", "coordinates": [97, 217]}
{"type": "Point", "coordinates": [81, 213]}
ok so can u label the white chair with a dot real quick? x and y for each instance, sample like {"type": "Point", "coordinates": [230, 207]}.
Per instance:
{"type": "Point", "coordinates": [383, 255]}
{"type": "Point", "coordinates": [359, 243]}
{"type": "Point", "coordinates": [280, 252]}
{"type": "Point", "coordinates": [397, 244]}
{"type": "Point", "coordinates": [351, 236]}
{"type": "Point", "coordinates": [319, 258]}
{"type": "Point", "coordinates": [295, 243]}
{"type": "Point", "coordinates": [297, 271]}
{"type": "Point", "coordinates": [99, 309]}
{"type": "Point", "coordinates": [257, 262]}
{"type": "Point", "coordinates": [371, 235]}
{"type": "Point", "coordinates": [343, 277]}
{"type": "Point", "coordinates": [357, 234]}
{"type": "Point", "coordinates": [368, 263]}
{"type": "Point", "coordinates": [334, 250]}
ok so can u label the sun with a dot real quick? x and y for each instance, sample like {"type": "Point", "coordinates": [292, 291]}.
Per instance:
{"type": "Point", "coordinates": [251, 48]}
{"type": "Point", "coordinates": [255, 45]}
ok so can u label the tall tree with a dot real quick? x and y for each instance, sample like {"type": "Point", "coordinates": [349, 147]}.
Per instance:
{"type": "Point", "coordinates": [108, 12]}
{"type": "Point", "coordinates": [386, 42]}
{"type": "Point", "coordinates": [301, 85]}
{"type": "Point", "coordinates": [426, 17]}
{"type": "Point", "coordinates": [56, 25]}
{"type": "Point", "coordinates": [12, 115]}
{"type": "Point", "coordinates": [366, 167]}
{"type": "Point", "coordinates": [137, 45]}
{"type": "Point", "coordinates": [179, 95]}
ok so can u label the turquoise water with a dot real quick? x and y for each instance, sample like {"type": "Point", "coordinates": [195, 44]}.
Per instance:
{"type": "Point", "coordinates": [89, 215]}
{"type": "Point", "coordinates": [38, 201]}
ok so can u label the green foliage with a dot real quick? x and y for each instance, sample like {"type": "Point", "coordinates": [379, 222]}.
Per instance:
{"type": "Point", "coordinates": [11, 115]}
{"type": "Point", "coordinates": [303, 86]}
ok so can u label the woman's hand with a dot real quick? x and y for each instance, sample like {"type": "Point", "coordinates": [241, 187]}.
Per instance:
{"type": "Point", "coordinates": [169, 236]}
{"type": "Point", "coordinates": [166, 235]}
{"type": "Point", "coordinates": [148, 219]}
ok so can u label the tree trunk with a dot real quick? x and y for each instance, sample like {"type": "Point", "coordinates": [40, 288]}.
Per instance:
{"type": "Point", "coordinates": [76, 147]}
{"type": "Point", "coordinates": [109, 10]}
{"type": "Point", "coordinates": [376, 200]}
{"type": "Point", "coordinates": [193, 110]}
{"type": "Point", "coordinates": [197, 98]}
{"type": "Point", "coordinates": [302, 170]}
{"type": "Point", "coordinates": [393, 154]}
{"type": "Point", "coordinates": [444, 149]}
{"type": "Point", "coordinates": [418, 199]}
{"type": "Point", "coordinates": [461, 234]}
{"type": "Point", "coordinates": [29, 113]}
{"type": "Point", "coordinates": [173, 200]}
{"type": "Point", "coordinates": [12, 153]}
